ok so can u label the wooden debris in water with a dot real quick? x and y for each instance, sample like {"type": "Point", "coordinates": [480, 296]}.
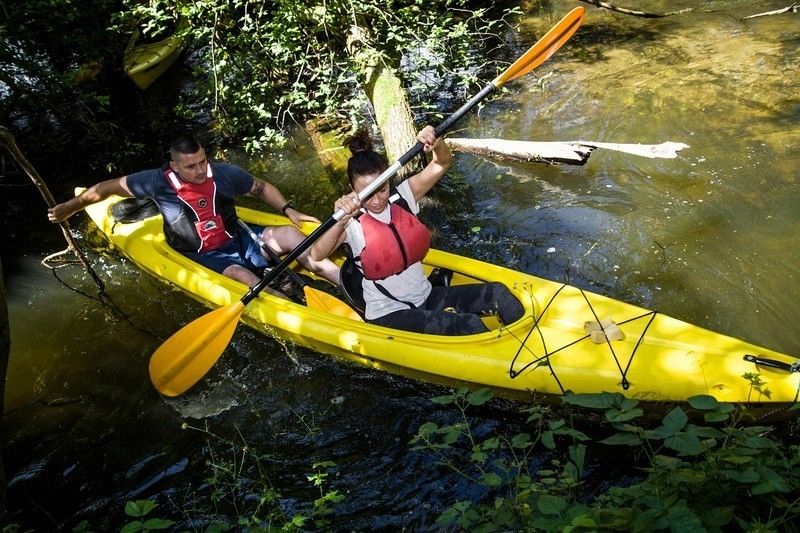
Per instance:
{"type": "Point", "coordinates": [569, 152]}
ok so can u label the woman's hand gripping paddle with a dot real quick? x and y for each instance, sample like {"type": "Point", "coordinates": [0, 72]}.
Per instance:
{"type": "Point", "coordinates": [315, 299]}
{"type": "Point", "coordinates": [185, 357]}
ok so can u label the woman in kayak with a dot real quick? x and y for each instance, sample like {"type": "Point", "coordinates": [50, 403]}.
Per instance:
{"type": "Point", "coordinates": [387, 242]}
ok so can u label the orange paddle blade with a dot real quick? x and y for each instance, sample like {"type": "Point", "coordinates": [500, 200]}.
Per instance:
{"type": "Point", "coordinates": [185, 357]}
{"type": "Point", "coordinates": [544, 47]}
{"type": "Point", "coordinates": [322, 301]}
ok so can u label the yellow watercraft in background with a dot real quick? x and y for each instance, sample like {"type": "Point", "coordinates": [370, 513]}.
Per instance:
{"type": "Point", "coordinates": [145, 62]}
{"type": "Point", "coordinates": [569, 339]}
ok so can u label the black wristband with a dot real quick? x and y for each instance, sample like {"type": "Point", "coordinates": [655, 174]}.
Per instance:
{"type": "Point", "coordinates": [288, 205]}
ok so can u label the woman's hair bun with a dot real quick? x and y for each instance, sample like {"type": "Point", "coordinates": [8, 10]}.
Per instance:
{"type": "Point", "coordinates": [361, 141]}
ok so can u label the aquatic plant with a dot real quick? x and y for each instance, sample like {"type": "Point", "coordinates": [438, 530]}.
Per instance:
{"type": "Point", "coordinates": [675, 474]}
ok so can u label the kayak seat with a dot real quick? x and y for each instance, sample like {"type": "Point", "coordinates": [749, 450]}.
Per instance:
{"type": "Point", "coordinates": [132, 210]}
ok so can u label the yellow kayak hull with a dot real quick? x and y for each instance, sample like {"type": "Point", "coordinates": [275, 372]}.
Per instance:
{"type": "Point", "coordinates": [547, 352]}
{"type": "Point", "coordinates": [144, 63]}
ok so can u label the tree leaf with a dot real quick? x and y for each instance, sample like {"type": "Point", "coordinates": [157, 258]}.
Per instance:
{"type": "Point", "coordinates": [521, 440]}
{"type": "Point", "coordinates": [622, 439]}
{"type": "Point", "coordinates": [602, 400]}
{"type": "Point", "coordinates": [675, 420]}
{"type": "Point", "coordinates": [703, 402]}
{"type": "Point", "coordinates": [443, 400]}
{"type": "Point", "coordinates": [748, 475]}
{"type": "Point", "coordinates": [551, 505]}
{"type": "Point", "coordinates": [480, 396]}
{"type": "Point", "coordinates": [684, 443]}
{"type": "Point", "coordinates": [131, 527]}
{"type": "Point", "coordinates": [490, 479]}
{"type": "Point", "coordinates": [157, 523]}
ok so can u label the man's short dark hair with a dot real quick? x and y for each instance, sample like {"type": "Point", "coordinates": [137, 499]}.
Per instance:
{"type": "Point", "coordinates": [183, 144]}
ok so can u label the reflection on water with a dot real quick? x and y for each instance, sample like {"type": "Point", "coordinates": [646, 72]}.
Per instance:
{"type": "Point", "coordinates": [709, 237]}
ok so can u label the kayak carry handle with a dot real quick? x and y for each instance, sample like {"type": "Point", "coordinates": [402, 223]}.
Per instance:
{"type": "Point", "coordinates": [772, 363]}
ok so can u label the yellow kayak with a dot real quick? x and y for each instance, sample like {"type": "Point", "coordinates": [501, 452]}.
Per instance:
{"type": "Point", "coordinates": [145, 62]}
{"type": "Point", "coordinates": [569, 339]}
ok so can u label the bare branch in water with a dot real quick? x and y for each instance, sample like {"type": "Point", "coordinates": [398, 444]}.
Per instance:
{"type": "Point", "coordinates": [635, 13]}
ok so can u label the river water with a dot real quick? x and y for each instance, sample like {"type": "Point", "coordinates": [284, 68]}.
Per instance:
{"type": "Point", "coordinates": [709, 237]}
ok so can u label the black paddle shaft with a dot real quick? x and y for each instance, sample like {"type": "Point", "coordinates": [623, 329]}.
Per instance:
{"type": "Point", "coordinates": [270, 252]}
{"type": "Point", "coordinates": [372, 187]}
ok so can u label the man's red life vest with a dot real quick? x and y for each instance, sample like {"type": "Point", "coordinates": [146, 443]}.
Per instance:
{"type": "Point", "coordinates": [200, 200]}
{"type": "Point", "coordinates": [391, 248]}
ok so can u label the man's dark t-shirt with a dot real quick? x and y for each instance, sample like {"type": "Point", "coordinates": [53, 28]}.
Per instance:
{"type": "Point", "coordinates": [231, 181]}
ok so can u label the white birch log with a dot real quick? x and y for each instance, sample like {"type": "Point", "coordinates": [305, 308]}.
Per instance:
{"type": "Point", "coordinates": [570, 152]}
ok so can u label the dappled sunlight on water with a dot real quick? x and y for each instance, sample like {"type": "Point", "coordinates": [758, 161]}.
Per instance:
{"type": "Point", "coordinates": [707, 237]}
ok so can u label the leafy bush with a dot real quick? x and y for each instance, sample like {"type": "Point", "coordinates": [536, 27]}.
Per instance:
{"type": "Point", "coordinates": [691, 477]}
{"type": "Point", "coordinates": [263, 65]}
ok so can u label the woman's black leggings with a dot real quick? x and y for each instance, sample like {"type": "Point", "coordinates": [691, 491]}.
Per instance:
{"type": "Point", "coordinates": [456, 310]}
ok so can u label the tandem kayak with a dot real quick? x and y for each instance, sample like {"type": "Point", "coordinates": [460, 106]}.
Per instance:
{"type": "Point", "coordinates": [569, 339]}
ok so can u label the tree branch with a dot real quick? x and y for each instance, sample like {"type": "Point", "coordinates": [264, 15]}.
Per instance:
{"type": "Point", "coordinates": [8, 142]}
{"type": "Point", "coordinates": [626, 11]}
{"type": "Point", "coordinates": [794, 8]}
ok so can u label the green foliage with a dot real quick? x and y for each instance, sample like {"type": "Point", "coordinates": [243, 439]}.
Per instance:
{"type": "Point", "coordinates": [261, 65]}
{"type": "Point", "coordinates": [54, 59]}
{"type": "Point", "coordinates": [694, 477]}
{"type": "Point", "coordinates": [242, 497]}
{"type": "Point", "coordinates": [240, 488]}
{"type": "Point", "coordinates": [139, 509]}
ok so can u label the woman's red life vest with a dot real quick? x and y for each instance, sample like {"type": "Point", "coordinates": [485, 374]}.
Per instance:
{"type": "Point", "coordinates": [200, 199]}
{"type": "Point", "coordinates": [391, 248]}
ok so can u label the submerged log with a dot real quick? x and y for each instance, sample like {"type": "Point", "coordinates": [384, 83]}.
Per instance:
{"type": "Point", "coordinates": [569, 152]}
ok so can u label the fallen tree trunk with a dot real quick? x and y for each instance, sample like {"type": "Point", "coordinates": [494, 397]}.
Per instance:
{"type": "Point", "coordinates": [569, 152]}
{"type": "Point", "coordinates": [389, 100]}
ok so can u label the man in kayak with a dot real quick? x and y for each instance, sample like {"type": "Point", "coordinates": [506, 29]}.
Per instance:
{"type": "Point", "coordinates": [196, 199]}
{"type": "Point", "coordinates": [388, 242]}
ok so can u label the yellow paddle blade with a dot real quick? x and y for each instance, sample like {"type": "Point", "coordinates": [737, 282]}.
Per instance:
{"type": "Point", "coordinates": [544, 47]}
{"type": "Point", "coordinates": [322, 301]}
{"type": "Point", "coordinates": [185, 357]}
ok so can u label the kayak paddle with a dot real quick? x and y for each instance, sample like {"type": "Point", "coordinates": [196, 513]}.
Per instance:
{"type": "Point", "coordinates": [187, 355]}
{"type": "Point", "coordinates": [315, 298]}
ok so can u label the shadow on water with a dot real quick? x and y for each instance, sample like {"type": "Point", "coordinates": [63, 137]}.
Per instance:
{"type": "Point", "coordinates": [709, 237]}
